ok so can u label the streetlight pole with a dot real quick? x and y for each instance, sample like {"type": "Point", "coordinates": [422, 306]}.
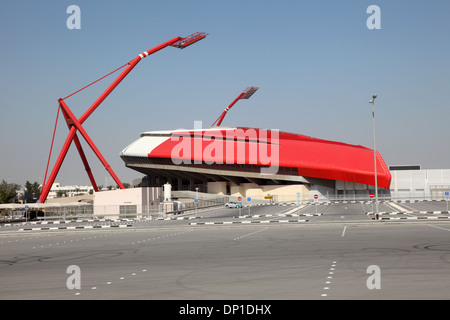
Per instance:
{"type": "Point", "coordinates": [372, 101]}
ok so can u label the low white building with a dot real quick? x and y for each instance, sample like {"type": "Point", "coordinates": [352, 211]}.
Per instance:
{"type": "Point", "coordinates": [127, 202]}
{"type": "Point", "coordinates": [429, 184]}
{"type": "Point", "coordinates": [68, 191]}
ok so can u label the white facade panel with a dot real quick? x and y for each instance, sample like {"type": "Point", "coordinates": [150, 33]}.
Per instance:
{"type": "Point", "coordinates": [419, 179]}
{"type": "Point", "coordinates": [143, 146]}
{"type": "Point", "coordinates": [446, 175]}
{"type": "Point", "coordinates": [403, 179]}
{"type": "Point", "coordinates": [434, 176]}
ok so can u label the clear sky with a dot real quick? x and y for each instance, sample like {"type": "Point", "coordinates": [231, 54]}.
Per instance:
{"type": "Point", "coordinates": [316, 63]}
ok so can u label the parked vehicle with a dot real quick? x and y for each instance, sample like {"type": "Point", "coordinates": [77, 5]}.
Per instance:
{"type": "Point", "coordinates": [233, 205]}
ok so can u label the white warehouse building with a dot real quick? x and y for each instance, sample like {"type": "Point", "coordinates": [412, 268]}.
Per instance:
{"type": "Point", "coordinates": [420, 184]}
{"type": "Point", "coordinates": [407, 182]}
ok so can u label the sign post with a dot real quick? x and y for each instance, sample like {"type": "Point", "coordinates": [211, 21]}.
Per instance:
{"type": "Point", "coordinates": [248, 200]}
{"type": "Point", "coordinates": [446, 196]}
{"type": "Point", "coordinates": [196, 204]}
{"type": "Point", "coordinates": [316, 197]}
{"type": "Point", "coordinates": [240, 204]}
{"type": "Point", "coordinates": [26, 213]}
{"type": "Point", "coordinates": [371, 197]}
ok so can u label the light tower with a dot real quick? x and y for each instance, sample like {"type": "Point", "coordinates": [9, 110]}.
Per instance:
{"type": "Point", "coordinates": [247, 93]}
{"type": "Point", "coordinates": [75, 124]}
{"type": "Point", "coordinates": [372, 101]}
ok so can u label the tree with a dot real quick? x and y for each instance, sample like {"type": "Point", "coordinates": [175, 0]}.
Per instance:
{"type": "Point", "coordinates": [8, 192]}
{"type": "Point", "coordinates": [32, 187]}
{"type": "Point", "coordinates": [60, 193]}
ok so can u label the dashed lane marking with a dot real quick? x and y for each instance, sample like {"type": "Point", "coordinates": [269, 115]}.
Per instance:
{"type": "Point", "coordinates": [77, 227]}
{"type": "Point", "coordinates": [246, 221]}
{"type": "Point", "coordinates": [327, 286]}
{"type": "Point", "coordinates": [109, 283]}
{"type": "Point", "coordinates": [249, 234]}
{"type": "Point", "coordinates": [162, 236]}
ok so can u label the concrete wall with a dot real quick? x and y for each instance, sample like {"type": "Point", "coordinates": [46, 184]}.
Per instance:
{"type": "Point", "coordinates": [278, 192]}
{"type": "Point", "coordinates": [217, 187]}
{"type": "Point", "coordinates": [140, 200]}
{"type": "Point", "coordinates": [347, 185]}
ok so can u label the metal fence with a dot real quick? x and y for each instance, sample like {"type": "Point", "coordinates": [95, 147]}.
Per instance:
{"type": "Point", "coordinates": [88, 211]}
{"type": "Point", "coordinates": [184, 206]}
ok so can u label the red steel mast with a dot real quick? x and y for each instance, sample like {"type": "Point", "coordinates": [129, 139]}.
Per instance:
{"type": "Point", "coordinates": [75, 124]}
{"type": "Point", "coordinates": [247, 93]}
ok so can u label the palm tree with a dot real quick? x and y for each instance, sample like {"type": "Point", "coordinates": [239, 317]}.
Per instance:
{"type": "Point", "coordinates": [8, 192]}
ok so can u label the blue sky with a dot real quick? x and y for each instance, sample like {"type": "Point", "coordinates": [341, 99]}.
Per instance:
{"type": "Point", "coordinates": [316, 63]}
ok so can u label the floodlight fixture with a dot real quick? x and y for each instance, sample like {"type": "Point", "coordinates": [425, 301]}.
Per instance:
{"type": "Point", "coordinates": [193, 38]}
{"type": "Point", "coordinates": [246, 94]}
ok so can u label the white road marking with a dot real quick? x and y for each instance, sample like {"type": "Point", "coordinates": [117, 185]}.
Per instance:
{"type": "Point", "coordinates": [328, 282]}
{"type": "Point", "coordinates": [439, 227]}
{"type": "Point", "coordinates": [249, 234]}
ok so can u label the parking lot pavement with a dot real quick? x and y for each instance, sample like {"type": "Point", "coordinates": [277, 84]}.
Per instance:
{"type": "Point", "coordinates": [423, 206]}
{"type": "Point", "coordinates": [337, 212]}
{"type": "Point", "coordinates": [283, 261]}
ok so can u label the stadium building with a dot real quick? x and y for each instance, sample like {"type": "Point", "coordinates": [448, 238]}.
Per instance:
{"type": "Point", "coordinates": [256, 163]}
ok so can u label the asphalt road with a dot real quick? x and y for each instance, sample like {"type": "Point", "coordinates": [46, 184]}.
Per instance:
{"type": "Point", "coordinates": [338, 253]}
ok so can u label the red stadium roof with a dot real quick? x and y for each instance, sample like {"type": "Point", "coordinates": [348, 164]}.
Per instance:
{"type": "Point", "coordinates": [311, 157]}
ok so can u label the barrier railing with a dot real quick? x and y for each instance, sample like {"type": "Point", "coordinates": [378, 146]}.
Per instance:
{"type": "Point", "coordinates": [188, 207]}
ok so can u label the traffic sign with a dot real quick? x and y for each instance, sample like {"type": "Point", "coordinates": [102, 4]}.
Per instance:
{"type": "Point", "coordinates": [196, 200]}
{"type": "Point", "coordinates": [26, 207]}
{"type": "Point", "coordinates": [249, 199]}
{"type": "Point", "coordinates": [316, 196]}
{"type": "Point", "coordinates": [371, 195]}
{"type": "Point", "coordinates": [239, 198]}
{"type": "Point", "coordinates": [446, 194]}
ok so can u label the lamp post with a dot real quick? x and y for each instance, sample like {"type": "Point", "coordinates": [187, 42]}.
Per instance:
{"type": "Point", "coordinates": [372, 101]}
{"type": "Point", "coordinates": [246, 94]}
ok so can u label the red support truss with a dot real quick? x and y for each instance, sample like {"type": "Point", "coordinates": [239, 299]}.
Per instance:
{"type": "Point", "coordinates": [75, 124]}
